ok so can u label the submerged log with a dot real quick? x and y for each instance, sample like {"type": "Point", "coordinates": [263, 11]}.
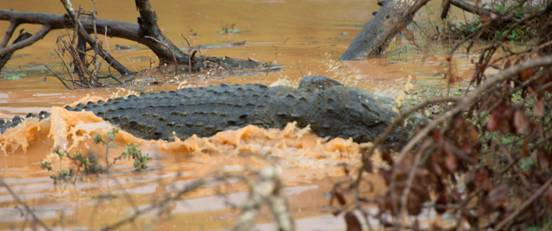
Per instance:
{"type": "Point", "coordinates": [375, 36]}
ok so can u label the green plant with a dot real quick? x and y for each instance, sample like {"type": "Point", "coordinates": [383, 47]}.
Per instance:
{"type": "Point", "coordinates": [108, 143]}
{"type": "Point", "coordinates": [64, 175]}
{"type": "Point", "coordinates": [133, 152]}
{"type": "Point", "coordinates": [90, 164]}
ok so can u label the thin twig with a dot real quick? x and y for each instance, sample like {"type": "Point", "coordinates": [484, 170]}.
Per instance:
{"type": "Point", "coordinates": [471, 98]}
{"type": "Point", "coordinates": [58, 76]}
{"type": "Point", "coordinates": [525, 204]}
{"type": "Point", "coordinates": [93, 42]}
{"type": "Point", "coordinates": [169, 48]}
{"type": "Point", "coordinates": [162, 203]}
{"type": "Point", "coordinates": [395, 123]}
{"type": "Point", "coordinates": [27, 42]}
{"type": "Point", "coordinates": [9, 33]}
{"type": "Point", "coordinates": [25, 206]}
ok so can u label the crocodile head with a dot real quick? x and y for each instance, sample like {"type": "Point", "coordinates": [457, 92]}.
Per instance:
{"type": "Point", "coordinates": [346, 111]}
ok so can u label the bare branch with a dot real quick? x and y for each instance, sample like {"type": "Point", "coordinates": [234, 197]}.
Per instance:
{"type": "Point", "coordinates": [150, 29]}
{"type": "Point", "coordinates": [525, 204]}
{"type": "Point", "coordinates": [82, 32]}
{"type": "Point", "coordinates": [266, 189]}
{"type": "Point", "coordinates": [110, 28]}
{"type": "Point", "coordinates": [9, 33]}
{"type": "Point", "coordinates": [472, 8]}
{"type": "Point", "coordinates": [141, 33]}
{"type": "Point", "coordinates": [27, 42]}
{"type": "Point", "coordinates": [24, 205]}
{"type": "Point", "coordinates": [445, 8]}
{"type": "Point", "coordinates": [472, 98]}
{"type": "Point", "coordinates": [192, 186]}
{"type": "Point", "coordinates": [375, 36]}
{"type": "Point", "coordinates": [6, 57]}
{"type": "Point", "coordinates": [394, 124]}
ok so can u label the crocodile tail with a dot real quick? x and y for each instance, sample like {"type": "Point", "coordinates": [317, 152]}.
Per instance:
{"type": "Point", "coordinates": [16, 120]}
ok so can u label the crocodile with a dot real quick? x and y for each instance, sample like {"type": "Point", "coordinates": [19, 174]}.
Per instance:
{"type": "Point", "coordinates": [330, 108]}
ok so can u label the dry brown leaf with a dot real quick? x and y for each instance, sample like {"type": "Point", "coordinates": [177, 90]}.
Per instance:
{"type": "Point", "coordinates": [538, 110]}
{"type": "Point", "coordinates": [521, 122]}
{"type": "Point", "coordinates": [497, 197]}
{"type": "Point", "coordinates": [452, 163]}
{"type": "Point", "coordinates": [339, 197]}
{"type": "Point", "coordinates": [441, 202]}
{"type": "Point", "coordinates": [548, 196]}
{"type": "Point", "coordinates": [482, 179]}
{"type": "Point", "coordinates": [543, 160]}
{"type": "Point", "coordinates": [526, 74]}
{"type": "Point", "coordinates": [414, 204]}
{"type": "Point", "coordinates": [353, 224]}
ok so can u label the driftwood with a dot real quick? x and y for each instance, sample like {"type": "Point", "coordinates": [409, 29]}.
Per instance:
{"type": "Point", "coordinates": [375, 36]}
{"type": "Point", "coordinates": [469, 7]}
{"type": "Point", "coordinates": [394, 16]}
{"type": "Point", "coordinates": [145, 32]}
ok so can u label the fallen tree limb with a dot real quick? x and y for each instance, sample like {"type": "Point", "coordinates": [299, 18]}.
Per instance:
{"type": "Point", "coordinates": [375, 36]}
{"type": "Point", "coordinates": [150, 30]}
{"type": "Point", "coordinates": [27, 42]}
{"type": "Point", "coordinates": [145, 32]}
{"type": "Point", "coordinates": [7, 56]}
{"type": "Point", "coordinates": [468, 7]}
{"type": "Point", "coordinates": [110, 28]}
{"type": "Point", "coordinates": [9, 33]}
{"type": "Point", "coordinates": [472, 8]}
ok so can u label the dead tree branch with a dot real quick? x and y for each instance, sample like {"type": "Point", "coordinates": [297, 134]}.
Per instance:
{"type": "Point", "coordinates": [469, 100]}
{"type": "Point", "coordinates": [469, 7]}
{"type": "Point", "coordinates": [6, 57]}
{"type": "Point", "coordinates": [110, 28]}
{"type": "Point", "coordinates": [9, 34]}
{"type": "Point", "coordinates": [162, 203]}
{"type": "Point", "coordinates": [92, 41]}
{"type": "Point", "coordinates": [149, 30]}
{"type": "Point", "coordinates": [503, 224]}
{"type": "Point", "coordinates": [27, 42]}
{"type": "Point", "coordinates": [394, 124]}
{"type": "Point", "coordinates": [266, 189]}
{"type": "Point", "coordinates": [375, 36]}
{"type": "Point", "coordinates": [24, 205]}
{"type": "Point", "coordinates": [146, 32]}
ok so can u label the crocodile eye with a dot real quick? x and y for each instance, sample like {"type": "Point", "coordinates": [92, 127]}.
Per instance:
{"type": "Point", "coordinates": [369, 108]}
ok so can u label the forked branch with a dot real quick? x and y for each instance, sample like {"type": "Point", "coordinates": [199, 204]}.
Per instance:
{"type": "Point", "coordinates": [9, 33]}
{"type": "Point", "coordinates": [27, 42]}
{"type": "Point", "coordinates": [92, 41]}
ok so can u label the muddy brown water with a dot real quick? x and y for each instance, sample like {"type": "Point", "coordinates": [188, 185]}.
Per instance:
{"type": "Point", "coordinates": [306, 37]}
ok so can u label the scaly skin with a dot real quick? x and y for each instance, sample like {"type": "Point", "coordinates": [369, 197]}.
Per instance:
{"type": "Point", "coordinates": [330, 108]}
